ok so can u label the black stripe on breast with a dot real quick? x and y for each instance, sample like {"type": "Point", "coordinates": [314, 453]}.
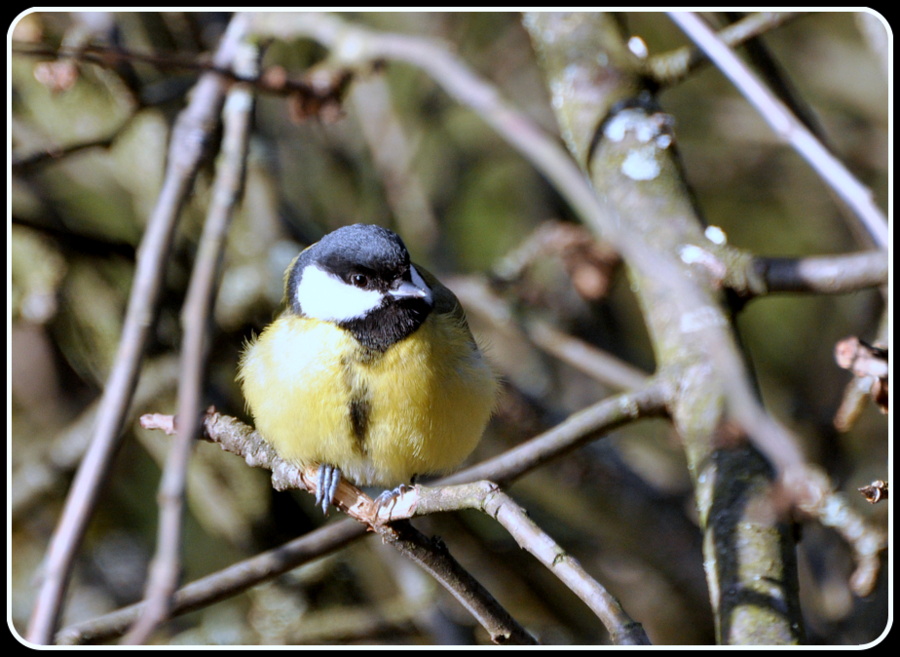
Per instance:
{"type": "Point", "coordinates": [360, 410]}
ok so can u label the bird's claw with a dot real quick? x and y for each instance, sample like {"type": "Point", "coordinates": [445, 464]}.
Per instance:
{"type": "Point", "coordinates": [327, 479]}
{"type": "Point", "coordinates": [389, 497]}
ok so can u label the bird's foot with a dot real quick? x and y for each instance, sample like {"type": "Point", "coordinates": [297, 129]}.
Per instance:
{"type": "Point", "coordinates": [327, 479]}
{"type": "Point", "coordinates": [389, 497]}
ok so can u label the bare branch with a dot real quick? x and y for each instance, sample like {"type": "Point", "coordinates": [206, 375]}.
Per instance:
{"type": "Point", "coordinates": [576, 430]}
{"type": "Point", "coordinates": [314, 88]}
{"type": "Point", "coordinates": [188, 147]}
{"type": "Point", "coordinates": [165, 566]}
{"type": "Point", "coordinates": [672, 67]}
{"type": "Point", "coordinates": [224, 583]}
{"type": "Point", "coordinates": [786, 126]}
{"type": "Point", "coordinates": [433, 556]}
{"type": "Point", "coordinates": [488, 498]}
{"type": "Point", "coordinates": [834, 274]}
{"type": "Point", "coordinates": [600, 365]}
{"type": "Point", "coordinates": [862, 388]}
{"type": "Point", "coordinates": [236, 437]}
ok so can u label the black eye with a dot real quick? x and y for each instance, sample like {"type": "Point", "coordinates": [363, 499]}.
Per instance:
{"type": "Point", "coordinates": [359, 280]}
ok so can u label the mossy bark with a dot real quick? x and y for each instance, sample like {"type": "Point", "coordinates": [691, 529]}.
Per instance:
{"type": "Point", "coordinates": [625, 144]}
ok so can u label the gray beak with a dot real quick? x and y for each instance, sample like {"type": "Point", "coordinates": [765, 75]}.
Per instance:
{"type": "Point", "coordinates": [417, 288]}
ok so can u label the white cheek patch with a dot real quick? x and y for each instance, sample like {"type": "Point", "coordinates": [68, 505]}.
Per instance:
{"type": "Point", "coordinates": [326, 297]}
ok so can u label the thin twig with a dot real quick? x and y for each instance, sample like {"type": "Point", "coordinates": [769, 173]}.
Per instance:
{"type": "Point", "coordinates": [187, 150]}
{"type": "Point", "coordinates": [433, 556]}
{"type": "Point", "coordinates": [165, 566]}
{"type": "Point", "coordinates": [833, 274]}
{"type": "Point", "coordinates": [355, 47]}
{"type": "Point", "coordinates": [24, 165]}
{"type": "Point", "coordinates": [233, 436]}
{"type": "Point", "coordinates": [487, 497]}
{"type": "Point", "coordinates": [393, 154]}
{"type": "Point", "coordinates": [788, 128]}
{"type": "Point", "coordinates": [777, 80]}
{"type": "Point", "coordinates": [480, 300]}
{"type": "Point", "coordinates": [672, 67]}
{"type": "Point", "coordinates": [576, 430]}
{"type": "Point", "coordinates": [274, 82]}
{"type": "Point", "coordinates": [587, 358]}
{"type": "Point", "coordinates": [223, 584]}
{"type": "Point", "coordinates": [33, 482]}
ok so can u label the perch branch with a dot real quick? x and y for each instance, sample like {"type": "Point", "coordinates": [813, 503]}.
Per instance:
{"type": "Point", "coordinates": [235, 437]}
{"type": "Point", "coordinates": [231, 435]}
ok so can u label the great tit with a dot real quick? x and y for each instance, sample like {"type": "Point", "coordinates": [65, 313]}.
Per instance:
{"type": "Point", "coordinates": [371, 371]}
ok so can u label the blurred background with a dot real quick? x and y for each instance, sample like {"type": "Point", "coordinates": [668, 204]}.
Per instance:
{"type": "Point", "coordinates": [88, 150]}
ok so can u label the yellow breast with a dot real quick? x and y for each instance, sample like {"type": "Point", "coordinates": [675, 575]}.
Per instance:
{"type": "Point", "coordinates": [318, 396]}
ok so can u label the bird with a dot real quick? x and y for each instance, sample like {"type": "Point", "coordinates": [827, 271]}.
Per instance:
{"type": "Point", "coordinates": [371, 372]}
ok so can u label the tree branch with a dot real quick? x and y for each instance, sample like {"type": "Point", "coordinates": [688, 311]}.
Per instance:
{"type": "Point", "coordinates": [631, 165]}
{"type": "Point", "coordinates": [724, 428]}
{"type": "Point", "coordinates": [223, 584]}
{"type": "Point", "coordinates": [834, 274]}
{"type": "Point", "coordinates": [576, 430]}
{"type": "Point", "coordinates": [188, 147]}
{"type": "Point", "coordinates": [165, 566]}
{"type": "Point", "coordinates": [487, 497]}
{"type": "Point", "coordinates": [789, 129]}
{"type": "Point", "coordinates": [237, 438]}
{"type": "Point", "coordinates": [669, 68]}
